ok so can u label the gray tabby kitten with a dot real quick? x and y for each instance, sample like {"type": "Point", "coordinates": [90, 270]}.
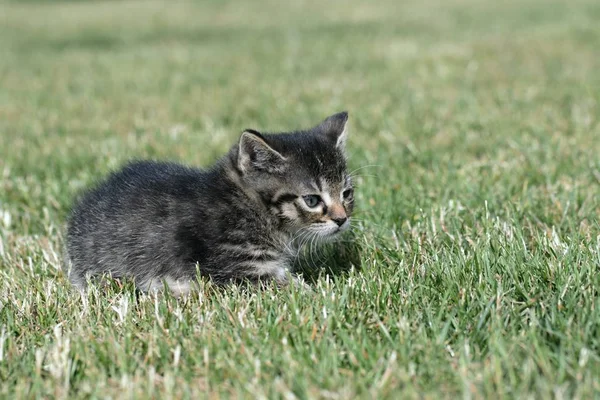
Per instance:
{"type": "Point", "coordinates": [243, 219]}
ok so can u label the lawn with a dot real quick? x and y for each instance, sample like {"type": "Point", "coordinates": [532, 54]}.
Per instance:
{"type": "Point", "coordinates": [475, 134]}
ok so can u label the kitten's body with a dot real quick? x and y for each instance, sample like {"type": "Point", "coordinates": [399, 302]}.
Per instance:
{"type": "Point", "coordinates": [163, 222]}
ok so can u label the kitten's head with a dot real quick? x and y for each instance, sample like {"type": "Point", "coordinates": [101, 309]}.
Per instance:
{"type": "Point", "coordinates": [301, 176]}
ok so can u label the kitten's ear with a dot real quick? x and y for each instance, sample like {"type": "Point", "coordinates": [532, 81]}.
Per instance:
{"type": "Point", "coordinates": [255, 153]}
{"type": "Point", "coordinates": [335, 128]}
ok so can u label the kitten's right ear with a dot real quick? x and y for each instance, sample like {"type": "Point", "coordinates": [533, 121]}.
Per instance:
{"type": "Point", "coordinates": [335, 128]}
{"type": "Point", "coordinates": [255, 153]}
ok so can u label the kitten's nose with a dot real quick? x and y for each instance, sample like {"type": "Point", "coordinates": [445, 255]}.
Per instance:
{"type": "Point", "coordinates": [337, 214]}
{"type": "Point", "coordinates": [339, 221]}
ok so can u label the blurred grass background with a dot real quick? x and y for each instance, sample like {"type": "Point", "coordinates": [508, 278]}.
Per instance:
{"type": "Point", "coordinates": [477, 220]}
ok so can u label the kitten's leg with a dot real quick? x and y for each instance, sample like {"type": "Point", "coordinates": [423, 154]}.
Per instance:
{"type": "Point", "coordinates": [271, 270]}
{"type": "Point", "coordinates": [77, 279]}
{"type": "Point", "coordinates": [287, 278]}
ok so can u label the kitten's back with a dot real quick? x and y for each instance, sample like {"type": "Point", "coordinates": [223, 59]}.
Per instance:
{"type": "Point", "coordinates": [132, 211]}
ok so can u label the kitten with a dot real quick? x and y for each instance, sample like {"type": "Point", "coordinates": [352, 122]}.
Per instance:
{"type": "Point", "coordinates": [243, 219]}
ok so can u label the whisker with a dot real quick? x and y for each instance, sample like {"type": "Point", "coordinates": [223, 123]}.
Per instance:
{"type": "Point", "coordinates": [362, 176]}
{"type": "Point", "coordinates": [312, 243]}
{"type": "Point", "coordinates": [365, 166]}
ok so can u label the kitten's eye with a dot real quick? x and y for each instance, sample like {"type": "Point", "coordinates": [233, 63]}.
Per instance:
{"type": "Point", "coordinates": [348, 193]}
{"type": "Point", "coordinates": [311, 200]}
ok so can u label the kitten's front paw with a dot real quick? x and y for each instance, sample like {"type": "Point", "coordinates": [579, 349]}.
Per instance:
{"type": "Point", "coordinates": [295, 280]}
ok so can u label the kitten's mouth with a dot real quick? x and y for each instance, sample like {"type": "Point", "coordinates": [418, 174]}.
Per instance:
{"type": "Point", "coordinates": [326, 231]}
{"type": "Point", "coordinates": [342, 228]}
{"type": "Point", "coordinates": [338, 231]}
{"type": "Point", "coordinates": [332, 232]}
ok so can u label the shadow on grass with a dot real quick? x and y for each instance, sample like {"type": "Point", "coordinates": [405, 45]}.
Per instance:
{"type": "Point", "coordinates": [335, 259]}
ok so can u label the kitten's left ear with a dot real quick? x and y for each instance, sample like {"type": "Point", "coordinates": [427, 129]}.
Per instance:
{"type": "Point", "coordinates": [255, 153]}
{"type": "Point", "coordinates": [335, 128]}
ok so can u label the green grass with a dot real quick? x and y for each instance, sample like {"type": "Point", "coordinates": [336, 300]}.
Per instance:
{"type": "Point", "coordinates": [478, 223]}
